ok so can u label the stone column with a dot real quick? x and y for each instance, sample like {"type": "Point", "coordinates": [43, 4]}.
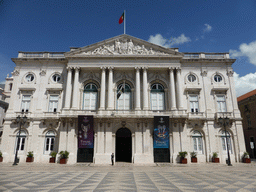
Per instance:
{"type": "Point", "coordinates": [75, 89]}
{"type": "Point", "coordinates": [110, 89]}
{"type": "Point", "coordinates": [145, 89]}
{"type": "Point", "coordinates": [68, 88]}
{"type": "Point", "coordinates": [172, 91]}
{"type": "Point", "coordinates": [179, 95]}
{"type": "Point", "coordinates": [137, 106]}
{"type": "Point", "coordinates": [103, 89]}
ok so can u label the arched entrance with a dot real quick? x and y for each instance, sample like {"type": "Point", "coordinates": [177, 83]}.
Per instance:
{"type": "Point", "coordinates": [123, 145]}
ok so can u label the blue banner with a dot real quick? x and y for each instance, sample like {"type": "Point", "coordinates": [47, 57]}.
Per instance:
{"type": "Point", "coordinates": [85, 131]}
{"type": "Point", "coordinates": [161, 131]}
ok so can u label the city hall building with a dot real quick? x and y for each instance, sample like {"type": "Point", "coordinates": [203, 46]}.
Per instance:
{"type": "Point", "coordinates": [143, 102]}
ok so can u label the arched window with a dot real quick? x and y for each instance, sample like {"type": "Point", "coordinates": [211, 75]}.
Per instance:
{"type": "Point", "coordinates": [90, 97]}
{"type": "Point", "coordinates": [224, 142]}
{"type": "Point", "coordinates": [123, 97]}
{"type": "Point", "coordinates": [197, 142]}
{"type": "Point", "coordinates": [20, 141]}
{"type": "Point", "coordinates": [49, 142]}
{"type": "Point", "coordinates": [157, 97]}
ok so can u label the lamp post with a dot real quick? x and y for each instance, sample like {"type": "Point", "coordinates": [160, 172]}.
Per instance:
{"type": "Point", "coordinates": [224, 122]}
{"type": "Point", "coordinates": [21, 120]}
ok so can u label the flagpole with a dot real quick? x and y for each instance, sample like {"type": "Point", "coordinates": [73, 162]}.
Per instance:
{"type": "Point", "coordinates": [124, 20]}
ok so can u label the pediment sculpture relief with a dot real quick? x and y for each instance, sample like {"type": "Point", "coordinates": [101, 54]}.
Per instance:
{"type": "Point", "coordinates": [123, 47]}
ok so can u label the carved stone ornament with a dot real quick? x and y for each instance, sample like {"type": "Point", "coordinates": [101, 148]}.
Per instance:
{"type": "Point", "coordinates": [42, 72]}
{"type": "Point", "coordinates": [230, 73]}
{"type": "Point", "coordinates": [123, 47]}
{"type": "Point", "coordinates": [15, 73]}
{"type": "Point", "coordinates": [204, 73]}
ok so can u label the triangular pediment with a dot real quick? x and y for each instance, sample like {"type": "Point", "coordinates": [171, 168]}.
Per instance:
{"type": "Point", "coordinates": [123, 45]}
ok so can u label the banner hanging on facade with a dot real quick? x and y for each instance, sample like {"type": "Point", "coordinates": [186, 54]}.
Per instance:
{"type": "Point", "coordinates": [161, 131]}
{"type": "Point", "coordinates": [85, 131]}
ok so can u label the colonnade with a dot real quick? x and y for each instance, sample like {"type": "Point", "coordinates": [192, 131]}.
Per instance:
{"type": "Point", "coordinates": [175, 89]}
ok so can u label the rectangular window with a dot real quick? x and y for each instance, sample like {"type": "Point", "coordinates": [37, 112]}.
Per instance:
{"type": "Point", "coordinates": [197, 142]}
{"type": "Point", "coordinates": [20, 143]}
{"type": "Point", "coordinates": [221, 103]}
{"type": "Point", "coordinates": [249, 123]}
{"type": "Point", "coordinates": [194, 107]}
{"type": "Point", "coordinates": [25, 103]}
{"type": "Point", "coordinates": [224, 144]}
{"type": "Point", "coordinates": [53, 103]}
{"type": "Point", "coordinates": [49, 144]}
{"type": "Point", "coordinates": [90, 101]}
{"type": "Point", "coordinates": [157, 101]}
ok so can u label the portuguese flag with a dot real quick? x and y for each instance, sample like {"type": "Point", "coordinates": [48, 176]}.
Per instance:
{"type": "Point", "coordinates": [121, 18]}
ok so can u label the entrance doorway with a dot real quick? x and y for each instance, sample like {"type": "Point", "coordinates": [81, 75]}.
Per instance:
{"type": "Point", "coordinates": [123, 145]}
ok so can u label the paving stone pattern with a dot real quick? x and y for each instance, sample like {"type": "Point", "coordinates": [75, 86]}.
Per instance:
{"type": "Point", "coordinates": [123, 179]}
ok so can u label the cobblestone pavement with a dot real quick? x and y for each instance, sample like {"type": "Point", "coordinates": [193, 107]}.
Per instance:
{"type": "Point", "coordinates": [127, 177]}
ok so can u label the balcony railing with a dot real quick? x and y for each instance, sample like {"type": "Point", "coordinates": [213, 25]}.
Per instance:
{"type": "Point", "coordinates": [206, 55]}
{"type": "Point", "coordinates": [223, 115]}
{"type": "Point", "coordinates": [196, 115]}
{"type": "Point", "coordinates": [41, 55]}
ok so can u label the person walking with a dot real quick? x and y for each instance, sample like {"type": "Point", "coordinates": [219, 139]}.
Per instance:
{"type": "Point", "coordinates": [112, 158]}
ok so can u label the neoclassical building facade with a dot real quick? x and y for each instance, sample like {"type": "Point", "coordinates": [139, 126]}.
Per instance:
{"type": "Point", "coordinates": [142, 102]}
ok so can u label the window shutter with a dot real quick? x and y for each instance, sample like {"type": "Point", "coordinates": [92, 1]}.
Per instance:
{"type": "Point", "coordinates": [154, 101]}
{"type": "Point", "coordinates": [161, 101]}
{"type": "Point", "coordinates": [127, 101]}
{"type": "Point", "coordinates": [86, 100]}
{"type": "Point", "coordinates": [93, 100]}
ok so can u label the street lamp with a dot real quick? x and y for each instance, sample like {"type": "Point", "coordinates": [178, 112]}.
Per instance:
{"type": "Point", "coordinates": [21, 120]}
{"type": "Point", "coordinates": [225, 122]}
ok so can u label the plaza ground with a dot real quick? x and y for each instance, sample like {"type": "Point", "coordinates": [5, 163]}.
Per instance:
{"type": "Point", "coordinates": [127, 177]}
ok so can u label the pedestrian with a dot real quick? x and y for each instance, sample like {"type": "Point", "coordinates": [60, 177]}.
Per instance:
{"type": "Point", "coordinates": [112, 158]}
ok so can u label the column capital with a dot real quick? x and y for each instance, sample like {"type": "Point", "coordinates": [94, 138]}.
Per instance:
{"type": "Point", "coordinates": [77, 68]}
{"type": "Point", "coordinates": [103, 68]}
{"type": "Point", "coordinates": [144, 68]}
{"type": "Point", "coordinates": [178, 69]}
{"type": "Point", "coordinates": [137, 68]}
{"type": "Point", "coordinates": [171, 68]}
{"type": "Point", "coordinates": [110, 68]}
{"type": "Point", "coordinates": [69, 68]}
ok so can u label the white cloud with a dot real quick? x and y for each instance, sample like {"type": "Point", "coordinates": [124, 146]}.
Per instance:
{"type": "Point", "coordinates": [246, 50]}
{"type": "Point", "coordinates": [207, 28]}
{"type": "Point", "coordinates": [158, 39]}
{"type": "Point", "coordinates": [244, 84]}
{"type": "Point", "coordinates": [180, 40]}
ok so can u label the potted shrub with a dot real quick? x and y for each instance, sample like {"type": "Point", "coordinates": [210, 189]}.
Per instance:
{"type": "Point", "coordinates": [53, 155]}
{"type": "Point", "coordinates": [63, 157]}
{"type": "Point", "coordinates": [30, 157]}
{"type": "Point", "coordinates": [246, 158]}
{"type": "Point", "coordinates": [193, 157]}
{"type": "Point", "coordinates": [182, 155]}
{"type": "Point", "coordinates": [215, 158]}
{"type": "Point", "coordinates": [1, 156]}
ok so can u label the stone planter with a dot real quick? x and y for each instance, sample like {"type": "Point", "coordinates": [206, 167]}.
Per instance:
{"type": "Point", "coordinates": [1, 159]}
{"type": "Point", "coordinates": [183, 160]}
{"type": "Point", "coordinates": [246, 160]}
{"type": "Point", "coordinates": [30, 159]}
{"type": "Point", "coordinates": [193, 159]}
{"type": "Point", "coordinates": [52, 160]}
{"type": "Point", "coordinates": [215, 160]}
{"type": "Point", "coordinates": [63, 161]}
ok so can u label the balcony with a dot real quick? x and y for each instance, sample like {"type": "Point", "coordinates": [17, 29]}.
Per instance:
{"type": "Point", "coordinates": [224, 115]}
{"type": "Point", "coordinates": [196, 115]}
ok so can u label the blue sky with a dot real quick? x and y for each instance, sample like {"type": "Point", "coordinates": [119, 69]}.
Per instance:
{"type": "Point", "coordinates": [192, 26]}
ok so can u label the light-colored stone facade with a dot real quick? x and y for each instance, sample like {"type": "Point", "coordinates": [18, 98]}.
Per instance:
{"type": "Point", "coordinates": [107, 65]}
